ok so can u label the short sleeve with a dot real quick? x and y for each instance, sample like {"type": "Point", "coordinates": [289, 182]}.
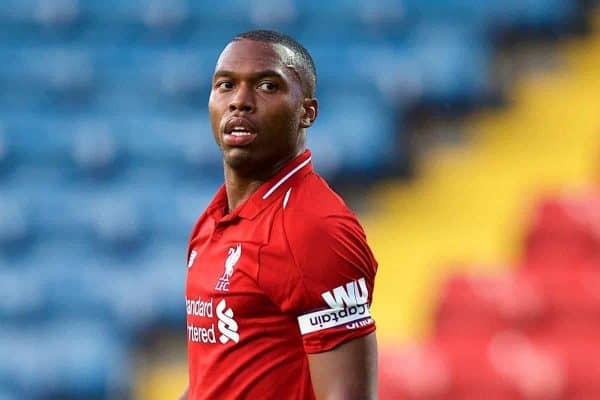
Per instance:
{"type": "Point", "coordinates": [329, 289]}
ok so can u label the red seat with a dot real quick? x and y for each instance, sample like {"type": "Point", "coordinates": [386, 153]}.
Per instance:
{"type": "Point", "coordinates": [482, 304]}
{"type": "Point", "coordinates": [508, 365]}
{"type": "Point", "coordinates": [579, 353]}
{"type": "Point", "coordinates": [412, 372]}
{"type": "Point", "coordinates": [572, 297]}
{"type": "Point", "coordinates": [564, 229]}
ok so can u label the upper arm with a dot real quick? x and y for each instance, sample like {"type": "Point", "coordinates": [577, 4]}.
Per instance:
{"type": "Point", "coordinates": [328, 282]}
{"type": "Point", "coordinates": [347, 372]}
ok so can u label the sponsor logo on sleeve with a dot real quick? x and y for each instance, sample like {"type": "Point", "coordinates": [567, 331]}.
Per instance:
{"type": "Point", "coordinates": [348, 305]}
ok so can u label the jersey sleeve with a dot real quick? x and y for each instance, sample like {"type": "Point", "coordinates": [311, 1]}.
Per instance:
{"type": "Point", "coordinates": [329, 291]}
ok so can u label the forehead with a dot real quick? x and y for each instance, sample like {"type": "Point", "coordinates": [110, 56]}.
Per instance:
{"type": "Point", "coordinates": [248, 56]}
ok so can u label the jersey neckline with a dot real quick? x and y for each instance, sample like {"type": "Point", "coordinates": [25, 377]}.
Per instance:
{"type": "Point", "coordinates": [268, 192]}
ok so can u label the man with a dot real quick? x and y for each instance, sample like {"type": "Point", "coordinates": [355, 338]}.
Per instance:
{"type": "Point", "coordinates": [280, 276]}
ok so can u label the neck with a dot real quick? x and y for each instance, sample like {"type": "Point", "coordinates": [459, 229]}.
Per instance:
{"type": "Point", "coordinates": [240, 187]}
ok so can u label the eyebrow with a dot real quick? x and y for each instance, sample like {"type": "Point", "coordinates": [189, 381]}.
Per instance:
{"type": "Point", "coordinates": [257, 75]}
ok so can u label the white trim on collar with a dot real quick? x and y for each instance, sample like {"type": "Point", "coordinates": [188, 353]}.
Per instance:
{"type": "Point", "coordinates": [285, 178]}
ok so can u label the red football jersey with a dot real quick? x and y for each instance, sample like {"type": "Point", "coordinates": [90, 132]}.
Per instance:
{"type": "Point", "coordinates": [287, 273]}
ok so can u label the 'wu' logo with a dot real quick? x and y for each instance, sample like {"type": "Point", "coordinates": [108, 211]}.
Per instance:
{"type": "Point", "coordinates": [352, 294]}
{"type": "Point", "coordinates": [233, 257]}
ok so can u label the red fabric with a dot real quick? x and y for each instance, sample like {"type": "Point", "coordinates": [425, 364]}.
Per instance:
{"type": "Point", "coordinates": [292, 245]}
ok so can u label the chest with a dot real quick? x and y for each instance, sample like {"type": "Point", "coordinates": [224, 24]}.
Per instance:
{"type": "Point", "coordinates": [223, 266]}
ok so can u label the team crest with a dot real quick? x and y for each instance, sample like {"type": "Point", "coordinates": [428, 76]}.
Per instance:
{"type": "Point", "coordinates": [233, 257]}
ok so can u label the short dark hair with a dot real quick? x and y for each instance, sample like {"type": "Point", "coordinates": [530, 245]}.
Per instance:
{"type": "Point", "coordinates": [303, 60]}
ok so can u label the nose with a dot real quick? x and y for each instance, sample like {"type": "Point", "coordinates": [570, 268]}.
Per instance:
{"type": "Point", "coordinates": [242, 100]}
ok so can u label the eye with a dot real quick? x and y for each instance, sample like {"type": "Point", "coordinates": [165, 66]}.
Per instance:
{"type": "Point", "coordinates": [227, 85]}
{"type": "Point", "coordinates": [267, 86]}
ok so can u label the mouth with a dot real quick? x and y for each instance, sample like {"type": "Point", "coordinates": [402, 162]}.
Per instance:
{"type": "Point", "coordinates": [239, 132]}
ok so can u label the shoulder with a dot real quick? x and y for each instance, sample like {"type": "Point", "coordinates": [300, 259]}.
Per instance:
{"type": "Point", "coordinates": [312, 210]}
{"type": "Point", "coordinates": [322, 231]}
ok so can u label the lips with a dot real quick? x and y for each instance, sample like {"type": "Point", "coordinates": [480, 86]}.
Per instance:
{"type": "Point", "coordinates": [239, 131]}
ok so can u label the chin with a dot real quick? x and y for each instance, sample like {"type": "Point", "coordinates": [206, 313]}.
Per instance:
{"type": "Point", "coordinates": [238, 158]}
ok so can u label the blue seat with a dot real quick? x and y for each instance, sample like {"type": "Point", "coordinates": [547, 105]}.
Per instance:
{"type": "Point", "coordinates": [21, 291]}
{"type": "Point", "coordinates": [166, 207]}
{"type": "Point", "coordinates": [469, 12]}
{"type": "Point", "coordinates": [38, 139]}
{"type": "Point", "coordinates": [165, 268]}
{"type": "Point", "coordinates": [360, 134]}
{"type": "Point", "coordinates": [350, 22]}
{"type": "Point", "coordinates": [155, 76]}
{"type": "Point", "coordinates": [143, 291]}
{"type": "Point", "coordinates": [389, 71]}
{"type": "Point", "coordinates": [66, 75]}
{"type": "Point", "coordinates": [68, 273]}
{"type": "Point", "coordinates": [536, 13]}
{"type": "Point", "coordinates": [109, 216]}
{"type": "Point", "coordinates": [45, 12]}
{"type": "Point", "coordinates": [81, 358]}
{"type": "Point", "coordinates": [183, 143]}
{"type": "Point", "coordinates": [455, 65]}
{"type": "Point", "coordinates": [10, 394]}
{"type": "Point", "coordinates": [52, 207]}
{"type": "Point", "coordinates": [81, 146]}
{"type": "Point", "coordinates": [7, 152]}
{"type": "Point", "coordinates": [15, 225]}
{"type": "Point", "coordinates": [22, 361]}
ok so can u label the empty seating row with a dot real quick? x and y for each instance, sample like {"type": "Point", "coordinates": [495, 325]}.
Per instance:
{"type": "Point", "coordinates": [61, 278]}
{"type": "Point", "coordinates": [434, 62]}
{"type": "Point", "coordinates": [528, 333]}
{"type": "Point", "coordinates": [171, 14]}
{"type": "Point", "coordinates": [96, 145]}
{"type": "Point", "coordinates": [66, 358]}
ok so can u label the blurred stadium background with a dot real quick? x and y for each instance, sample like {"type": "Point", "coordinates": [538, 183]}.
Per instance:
{"type": "Point", "coordinates": [466, 134]}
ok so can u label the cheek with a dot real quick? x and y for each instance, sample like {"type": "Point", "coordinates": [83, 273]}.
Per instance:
{"type": "Point", "coordinates": [215, 114]}
{"type": "Point", "coordinates": [285, 117]}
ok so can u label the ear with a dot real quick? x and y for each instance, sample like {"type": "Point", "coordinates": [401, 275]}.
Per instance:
{"type": "Point", "coordinates": [310, 110]}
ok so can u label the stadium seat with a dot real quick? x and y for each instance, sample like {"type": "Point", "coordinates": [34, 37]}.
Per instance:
{"type": "Point", "coordinates": [7, 394]}
{"type": "Point", "coordinates": [67, 273]}
{"type": "Point", "coordinates": [564, 229]}
{"type": "Point", "coordinates": [454, 62]}
{"type": "Point", "coordinates": [15, 225]}
{"type": "Point", "coordinates": [362, 135]}
{"type": "Point", "coordinates": [95, 149]}
{"type": "Point", "coordinates": [538, 14]}
{"type": "Point", "coordinates": [23, 361]}
{"type": "Point", "coordinates": [21, 291]}
{"type": "Point", "coordinates": [578, 353]}
{"type": "Point", "coordinates": [76, 147]}
{"type": "Point", "coordinates": [413, 372]}
{"type": "Point", "coordinates": [480, 305]}
{"type": "Point", "coordinates": [529, 369]}
{"type": "Point", "coordinates": [183, 145]}
{"type": "Point", "coordinates": [571, 296]}
{"type": "Point", "coordinates": [506, 365]}
{"type": "Point", "coordinates": [67, 74]}
{"type": "Point", "coordinates": [6, 153]}
{"type": "Point", "coordinates": [165, 268]}
{"type": "Point", "coordinates": [84, 359]}
{"type": "Point", "coordinates": [38, 139]}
